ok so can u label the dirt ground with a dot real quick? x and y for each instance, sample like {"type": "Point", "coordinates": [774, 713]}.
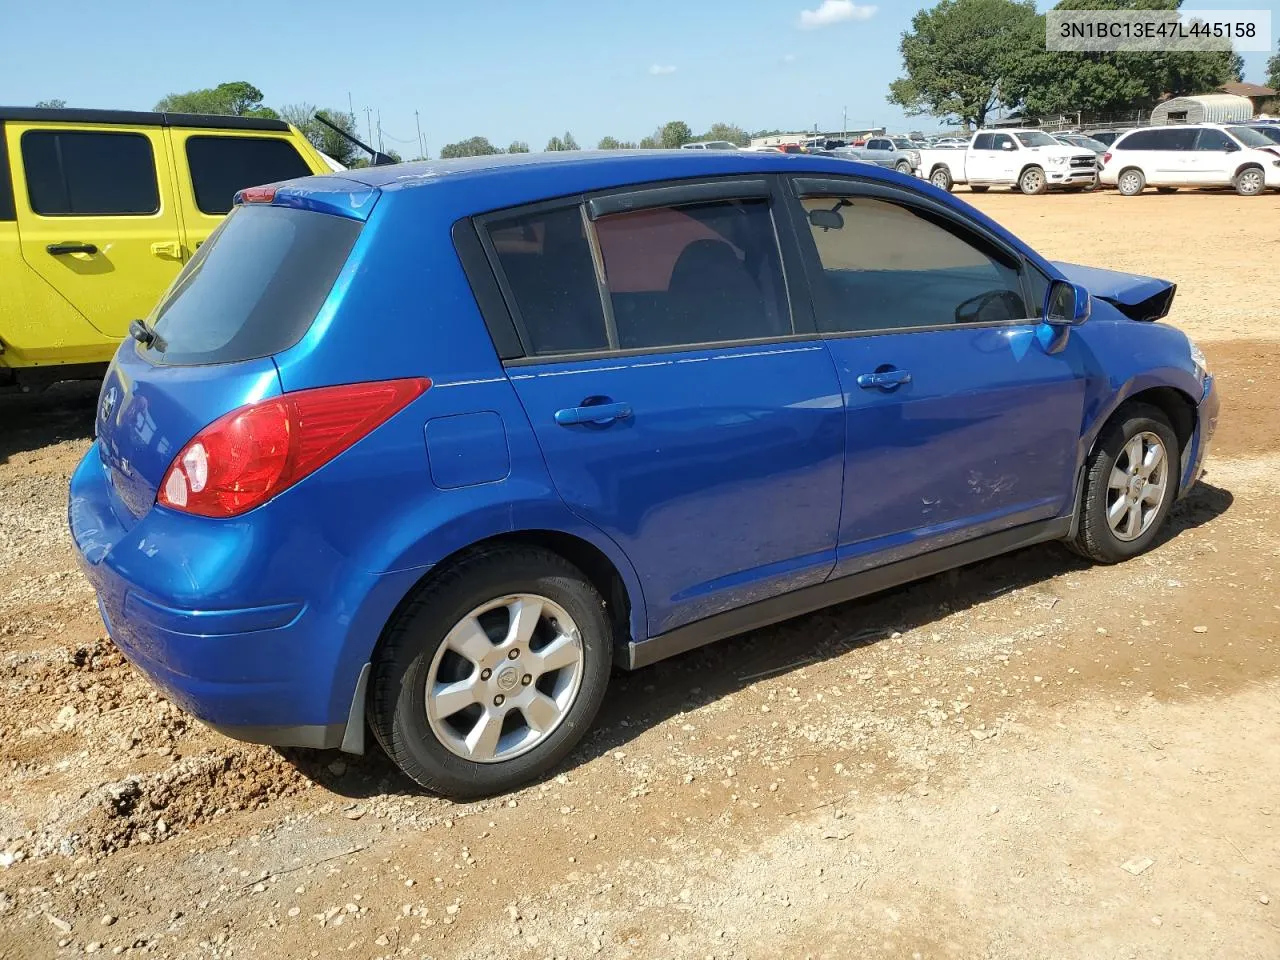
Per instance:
{"type": "Point", "coordinates": [1029, 757]}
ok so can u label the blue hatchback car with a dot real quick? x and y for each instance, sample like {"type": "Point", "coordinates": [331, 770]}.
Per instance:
{"type": "Point", "coordinates": [425, 450]}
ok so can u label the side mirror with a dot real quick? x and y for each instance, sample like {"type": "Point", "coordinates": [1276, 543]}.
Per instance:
{"type": "Point", "coordinates": [1066, 304]}
{"type": "Point", "coordinates": [1006, 145]}
{"type": "Point", "coordinates": [1233, 147]}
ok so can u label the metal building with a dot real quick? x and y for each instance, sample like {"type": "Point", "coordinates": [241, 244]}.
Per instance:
{"type": "Point", "coordinates": [1207, 108]}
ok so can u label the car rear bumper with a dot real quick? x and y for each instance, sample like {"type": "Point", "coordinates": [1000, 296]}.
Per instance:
{"type": "Point", "coordinates": [284, 670]}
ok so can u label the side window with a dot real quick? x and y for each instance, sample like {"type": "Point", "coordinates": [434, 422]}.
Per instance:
{"type": "Point", "coordinates": [1180, 139]}
{"type": "Point", "coordinates": [1211, 139]}
{"type": "Point", "coordinates": [887, 266]}
{"type": "Point", "coordinates": [221, 166]}
{"type": "Point", "coordinates": [1000, 139]}
{"type": "Point", "coordinates": [701, 273]}
{"type": "Point", "coordinates": [984, 141]}
{"type": "Point", "coordinates": [878, 145]}
{"type": "Point", "coordinates": [1038, 284]}
{"type": "Point", "coordinates": [78, 173]}
{"type": "Point", "coordinates": [544, 258]}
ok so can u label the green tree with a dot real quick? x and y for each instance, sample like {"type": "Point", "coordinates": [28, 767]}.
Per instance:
{"type": "Point", "coordinates": [473, 147]}
{"type": "Point", "coordinates": [563, 143]}
{"type": "Point", "coordinates": [960, 56]}
{"type": "Point", "coordinates": [613, 143]}
{"type": "Point", "coordinates": [727, 131]}
{"type": "Point", "coordinates": [1273, 70]}
{"type": "Point", "coordinates": [237, 99]}
{"type": "Point", "coordinates": [518, 146]}
{"type": "Point", "coordinates": [554, 145]}
{"type": "Point", "coordinates": [1099, 83]}
{"type": "Point", "coordinates": [303, 116]}
{"type": "Point", "coordinates": [51, 104]}
{"type": "Point", "coordinates": [653, 141]}
{"type": "Point", "coordinates": [675, 134]}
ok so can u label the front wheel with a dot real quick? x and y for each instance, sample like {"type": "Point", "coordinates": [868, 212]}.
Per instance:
{"type": "Point", "coordinates": [492, 674]}
{"type": "Point", "coordinates": [1033, 182]}
{"type": "Point", "coordinates": [941, 178]}
{"type": "Point", "coordinates": [903, 168]}
{"type": "Point", "coordinates": [1131, 482]}
{"type": "Point", "coordinates": [1250, 182]}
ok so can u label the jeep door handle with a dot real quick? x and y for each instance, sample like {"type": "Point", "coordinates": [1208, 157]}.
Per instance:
{"type": "Point", "coordinates": [883, 379]}
{"type": "Point", "coordinates": [70, 246]}
{"type": "Point", "coordinates": [597, 413]}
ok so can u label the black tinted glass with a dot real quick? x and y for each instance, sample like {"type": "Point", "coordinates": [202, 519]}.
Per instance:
{"type": "Point", "coordinates": [886, 267]}
{"type": "Point", "coordinates": [1211, 139]}
{"type": "Point", "coordinates": [89, 174]}
{"type": "Point", "coordinates": [702, 273]}
{"type": "Point", "coordinates": [221, 166]}
{"type": "Point", "coordinates": [1142, 140]}
{"type": "Point", "coordinates": [983, 141]}
{"type": "Point", "coordinates": [546, 261]}
{"type": "Point", "coordinates": [254, 287]}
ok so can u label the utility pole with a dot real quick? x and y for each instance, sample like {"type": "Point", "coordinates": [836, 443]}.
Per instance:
{"type": "Point", "coordinates": [351, 108]}
{"type": "Point", "coordinates": [380, 147]}
{"type": "Point", "coordinates": [422, 150]}
{"type": "Point", "coordinates": [844, 124]}
{"type": "Point", "coordinates": [368, 123]}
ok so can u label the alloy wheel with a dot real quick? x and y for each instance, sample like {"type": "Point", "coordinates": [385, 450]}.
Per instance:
{"type": "Point", "coordinates": [1137, 486]}
{"type": "Point", "coordinates": [504, 678]}
{"type": "Point", "coordinates": [1250, 183]}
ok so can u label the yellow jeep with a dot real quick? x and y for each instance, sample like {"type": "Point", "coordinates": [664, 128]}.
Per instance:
{"type": "Point", "coordinates": [99, 210]}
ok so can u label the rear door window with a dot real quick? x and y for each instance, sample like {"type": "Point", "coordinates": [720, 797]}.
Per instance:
{"type": "Point", "coordinates": [984, 141]}
{"type": "Point", "coordinates": [692, 274]}
{"type": "Point", "coordinates": [1213, 140]}
{"type": "Point", "coordinates": [254, 287]}
{"type": "Point", "coordinates": [222, 166]}
{"type": "Point", "coordinates": [88, 173]}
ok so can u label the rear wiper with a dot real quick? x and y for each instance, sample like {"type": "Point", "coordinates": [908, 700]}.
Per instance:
{"type": "Point", "coordinates": [146, 335]}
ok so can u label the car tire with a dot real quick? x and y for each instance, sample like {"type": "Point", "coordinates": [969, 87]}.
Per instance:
{"type": "Point", "coordinates": [1131, 182]}
{"type": "Point", "coordinates": [1250, 182]}
{"type": "Point", "coordinates": [1166, 189]}
{"type": "Point", "coordinates": [1033, 182]}
{"type": "Point", "coordinates": [941, 178]}
{"type": "Point", "coordinates": [410, 722]}
{"type": "Point", "coordinates": [977, 189]}
{"type": "Point", "coordinates": [1117, 518]}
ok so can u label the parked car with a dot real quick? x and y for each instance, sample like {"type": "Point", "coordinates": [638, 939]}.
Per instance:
{"type": "Point", "coordinates": [1080, 140]}
{"type": "Point", "coordinates": [427, 450]}
{"type": "Point", "coordinates": [99, 210]}
{"type": "Point", "coordinates": [1192, 155]}
{"type": "Point", "coordinates": [1269, 130]}
{"type": "Point", "coordinates": [896, 153]}
{"type": "Point", "coordinates": [1027, 160]}
{"type": "Point", "coordinates": [1107, 137]}
{"type": "Point", "coordinates": [945, 142]}
{"type": "Point", "coordinates": [709, 145]}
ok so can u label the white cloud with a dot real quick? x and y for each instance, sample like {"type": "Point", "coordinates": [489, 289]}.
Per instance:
{"type": "Point", "coordinates": [835, 11]}
{"type": "Point", "coordinates": [661, 70]}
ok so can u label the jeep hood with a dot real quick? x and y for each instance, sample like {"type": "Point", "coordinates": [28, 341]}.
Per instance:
{"type": "Point", "coordinates": [1138, 298]}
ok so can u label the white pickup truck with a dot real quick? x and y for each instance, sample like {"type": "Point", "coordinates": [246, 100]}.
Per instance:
{"type": "Point", "coordinates": [1028, 160]}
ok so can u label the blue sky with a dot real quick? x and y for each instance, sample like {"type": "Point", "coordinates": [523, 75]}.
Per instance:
{"type": "Point", "coordinates": [502, 69]}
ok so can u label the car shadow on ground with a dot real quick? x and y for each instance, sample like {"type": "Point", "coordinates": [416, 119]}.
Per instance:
{"type": "Point", "coordinates": [636, 702]}
{"type": "Point", "coordinates": [30, 422]}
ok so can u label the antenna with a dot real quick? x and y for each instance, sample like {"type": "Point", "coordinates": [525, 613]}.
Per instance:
{"type": "Point", "coordinates": [376, 158]}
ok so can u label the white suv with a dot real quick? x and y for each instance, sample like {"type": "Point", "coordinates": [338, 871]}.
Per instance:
{"type": "Point", "coordinates": [1192, 155]}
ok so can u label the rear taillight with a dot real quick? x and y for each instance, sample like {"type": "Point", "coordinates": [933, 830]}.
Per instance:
{"type": "Point", "coordinates": [257, 194]}
{"type": "Point", "coordinates": [250, 455]}
{"type": "Point", "coordinates": [1106, 158]}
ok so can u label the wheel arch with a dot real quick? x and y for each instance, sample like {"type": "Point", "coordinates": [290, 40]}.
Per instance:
{"type": "Point", "coordinates": [1174, 403]}
{"type": "Point", "coordinates": [1248, 165]}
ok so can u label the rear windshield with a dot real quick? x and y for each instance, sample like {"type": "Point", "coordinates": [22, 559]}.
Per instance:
{"type": "Point", "coordinates": [254, 287]}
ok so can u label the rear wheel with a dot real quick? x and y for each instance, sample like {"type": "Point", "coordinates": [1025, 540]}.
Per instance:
{"type": "Point", "coordinates": [941, 178]}
{"type": "Point", "coordinates": [1250, 182]}
{"type": "Point", "coordinates": [492, 675]}
{"type": "Point", "coordinates": [1033, 181]}
{"type": "Point", "coordinates": [1131, 182]}
{"type": "Point", "coordinates": [1131, 482]}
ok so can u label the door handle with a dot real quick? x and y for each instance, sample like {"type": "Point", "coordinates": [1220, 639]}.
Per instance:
{"type": "Point", "coordinates": [167, 248]}
{"type": "Point", "coordinates": [597, 413]}
{"type": "Point", "coordinates": [70, 246]}
{"type": "Point", "coordinates": [884, 379]}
